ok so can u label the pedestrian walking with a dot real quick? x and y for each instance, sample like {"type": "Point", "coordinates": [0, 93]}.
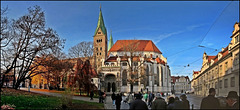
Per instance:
{"type": "Point", "coordinates": [185, 102]}
{"type": "Point", "coordinates": [113, 98]}
{"type": "Point", "coordinates": [91, 95]}
{"type": "Point", "coordinates": [159, 102]}
{"type": "Point", "coordinates": [210, 102]}
{"type": "Point", "coordinates": [130, 98]}
{"type": "Point", "coordinates": [118, 101]}
{"type": "Point", "coordinates": [145, 96]}
{"type": "Point", "coordinates": [100, 96]}
{"type": "Point", "coordinates": [104, 97]}
{"type": "Point", "coordinates": [170, 103]}
{"type": "Point", "coordinates": [150, 98]}
{"type": "Point", "coordinates": [232, 100]}
{"type": "Point", "coordinates": [138, 103]}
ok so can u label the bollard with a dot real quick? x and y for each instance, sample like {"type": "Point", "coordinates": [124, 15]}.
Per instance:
{"type": "Point", "coordinates": [192, 106]}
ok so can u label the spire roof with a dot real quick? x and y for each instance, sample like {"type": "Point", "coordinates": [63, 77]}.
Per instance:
{"type": "Point", "coordinates": [100, 23]}
{"type": "Point", "coordinates": [110, 44]}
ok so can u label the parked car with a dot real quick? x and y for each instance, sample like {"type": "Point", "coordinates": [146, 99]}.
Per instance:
{"type": "Point", "coordinates": [189, 92]}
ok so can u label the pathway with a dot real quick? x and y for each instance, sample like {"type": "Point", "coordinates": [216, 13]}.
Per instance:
{"type": "Point", "coordinates": [49, 93]}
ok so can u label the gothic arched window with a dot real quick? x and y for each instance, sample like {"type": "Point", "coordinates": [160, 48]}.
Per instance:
{"type": "Point", "coordinates": [147, 76]}
{"type": "Point", "coordinates": [157, 77]}
{"type": "Point", "coordinates": [124, 77]}
{"type": "Point", "coordinates": [162, 76]}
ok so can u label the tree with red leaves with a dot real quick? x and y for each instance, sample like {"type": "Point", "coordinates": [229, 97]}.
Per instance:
{"type": "Point", "coordinates": [83, 74]}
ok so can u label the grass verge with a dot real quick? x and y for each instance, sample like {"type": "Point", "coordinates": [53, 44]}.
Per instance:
{"type": "Point", "coordinates": [26, 100]}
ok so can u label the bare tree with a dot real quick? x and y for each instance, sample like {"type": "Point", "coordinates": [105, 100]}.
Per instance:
{"type": "Point", "coordinates": [54, 69]}
{"type": "Point", "coordinates": [83, 74]}
{"type": "Point", "coordinates": [82, 49]}
{"type": "Point", "coordinates": [4, 41]}
{"type": "Point", "coordinates": [30, 39]}
{"type": "Point", "coordinates": [136, 68]}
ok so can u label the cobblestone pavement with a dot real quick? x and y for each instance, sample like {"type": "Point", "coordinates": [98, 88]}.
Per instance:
{"type": "Point", "coordinates": [193, 99]}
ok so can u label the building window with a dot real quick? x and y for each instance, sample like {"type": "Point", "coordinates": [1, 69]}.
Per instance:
{"type": "Point", "coordinates": [100, 53]}
{"type": "Point", "coordinates": [220, 84]}
{"type": "Point", "coordinates": [226, 66]}
{"type": "Point", "coordinates": [135, 63]}
{"type": "Point", "coordinates": [97, 53]}
{"type": "Point", "coordinates": [232, 81]}
{"type": "Point", "coordinates": [216, 85]}
{"type": "Point", "coordinates": [106, 64]}
{"type": "Point", "coordinates": [237, 39]}
{"type": "Point", "coordinates": [236, 59]}
{"type": "Point", "coordinates": [99, 32]}
{"type": "Point", "coordinates": [124, 64]}
{"type": "Point", "coordinates": [100, 48]}
{"type": "Point", "coordinates": [220, 69]}
{"type": "Point", "coordinates": [124, 78]}
{"type": "Point", "coordinates": [147, 74]}
{"type": "Point", "coordinates": [225, 83]}
{"type": "Point", "coordinates": [157, 78]}
{"type": "Point", "coordinates": [213, 74]}
{"type": "Point", "coordinates": [161, 76]}
{"type": "Point", "coordinates": [96, 49]}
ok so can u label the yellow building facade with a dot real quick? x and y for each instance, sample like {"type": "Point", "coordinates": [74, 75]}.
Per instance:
{"type": "Point", "coordinates": [221, 71]}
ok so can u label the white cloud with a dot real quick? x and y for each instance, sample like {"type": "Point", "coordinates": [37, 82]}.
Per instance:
{"type": "Point", "coordinates": [164, 36]}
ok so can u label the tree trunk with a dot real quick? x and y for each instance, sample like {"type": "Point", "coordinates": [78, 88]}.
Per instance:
{"type": "Point", "coordinates": [2, 82]}
{"type": "Point", "coordinates": [131, 88]}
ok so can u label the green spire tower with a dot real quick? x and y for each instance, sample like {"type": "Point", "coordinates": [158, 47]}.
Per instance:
{"type": "Point", "coordinates": [100, 23]}
{"type": "Point", "coordinates": [110, 44]}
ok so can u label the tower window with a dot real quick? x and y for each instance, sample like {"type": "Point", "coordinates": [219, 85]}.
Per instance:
{"type": "Point", "coordinates": [99, 32]}
{"type": "Point", "coordinates": [100, 48]}
{"type": "Point", "coordinates": [97, 53]}
{"type": "Point", "coordinates": [101, 40]}
{"type": "Point", "coordinates": [97, 49]}
{"type": "Point", "coordinates": [100, 53]}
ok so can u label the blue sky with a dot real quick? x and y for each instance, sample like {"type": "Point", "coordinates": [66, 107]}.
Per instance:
{"type": "Point", "coordinates": [173, 26]}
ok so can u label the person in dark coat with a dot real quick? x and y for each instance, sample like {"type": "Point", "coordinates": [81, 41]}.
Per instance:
{"type": "Point", "coordinates": [159, 103]}
{"type": "Point", "coordinates": [118, 101]}
{"type": "Point", "coordinates": [91, 95]}
{"type": "Point", "coordinates": [185, 102]}
{"type": "Point", "coordinates": [177, 104]}
{"type": "Point", "coordinates": [113, 98]}
{"type": "Point", "coordinates": [210, 102]}
{"type": "Point", "coordinates": [232, 100]}
{"type": "Point", "coordinates": [150, 98]}
{"type": "Point", "coordinates": [138, 103]}
{"type": "Point", "coordinates": [170, 104]}
{"type": "Point", "coordinates": [100, 96]}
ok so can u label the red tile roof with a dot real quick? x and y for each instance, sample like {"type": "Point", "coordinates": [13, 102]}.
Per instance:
{"type": "Point", "coordinates": [141, 45]}
{"type": "Point", "coordinates": [196, 72]}
{"type": "Point", "coordinates": [209, 58]}
{"type": "Point", "coordinates": [123, 58]}
{"type": "Point", "coordinates": [160, 61]}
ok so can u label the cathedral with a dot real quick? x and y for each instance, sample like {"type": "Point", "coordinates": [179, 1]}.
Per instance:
{"type": "Point", "coordinates": [128, 65]}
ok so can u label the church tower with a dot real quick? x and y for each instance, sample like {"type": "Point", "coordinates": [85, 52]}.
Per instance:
{"type": "Point", "coordinates": [100, 41]}
{"type": "Point", "coordinates": [110, 44]}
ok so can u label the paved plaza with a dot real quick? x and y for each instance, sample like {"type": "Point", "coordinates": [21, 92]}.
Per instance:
{"type": "Point", "coordinates": [193, 99]}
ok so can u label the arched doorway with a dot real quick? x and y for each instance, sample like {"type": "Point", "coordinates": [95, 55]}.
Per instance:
{"type": "Point", "coordinates": [110, 81]}
{"type": "Point", "coordinates": [113, 87]}
{"type": "Point", "coordinates": [109, 87]}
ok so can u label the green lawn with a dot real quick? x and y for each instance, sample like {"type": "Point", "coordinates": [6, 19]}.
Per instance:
{"type": "Point", "coordinates": [25, 100]}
